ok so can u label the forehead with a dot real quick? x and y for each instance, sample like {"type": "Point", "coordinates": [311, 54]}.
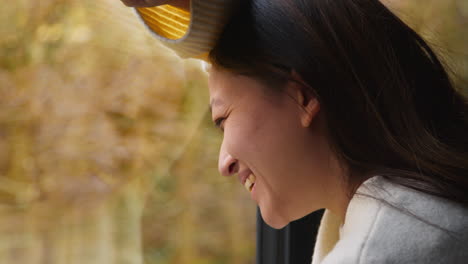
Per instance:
{"type": "Point", "coordinates": [224, 84]}
{"type": "Point", "coordinates": [220, 81]}
{"type": "Point", "coordinates": [226, 88]}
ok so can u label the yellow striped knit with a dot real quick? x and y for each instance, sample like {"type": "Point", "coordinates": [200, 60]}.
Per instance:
{"type": "Point", "coordinates": [190, 34]}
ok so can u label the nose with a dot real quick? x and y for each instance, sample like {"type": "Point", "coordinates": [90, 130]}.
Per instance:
{"type": "Point", "coordinates": [227, 165]}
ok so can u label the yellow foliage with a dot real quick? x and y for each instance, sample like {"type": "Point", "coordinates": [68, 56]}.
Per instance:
{"type": "Point", "coordinates": [107, 152]}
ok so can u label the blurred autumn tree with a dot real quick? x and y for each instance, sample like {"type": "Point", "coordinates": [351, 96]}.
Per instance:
{"type": "Point", "coordinates": [107, 152]}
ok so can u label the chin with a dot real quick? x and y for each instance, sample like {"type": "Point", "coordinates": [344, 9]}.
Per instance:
{"type": "Point", "coordinates": [273, 220]}
{"type": "Point", "coordinates": [277, 225]}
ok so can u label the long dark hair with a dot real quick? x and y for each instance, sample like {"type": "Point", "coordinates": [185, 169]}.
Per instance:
{"type": "Point", "coordinates": [388, 102]}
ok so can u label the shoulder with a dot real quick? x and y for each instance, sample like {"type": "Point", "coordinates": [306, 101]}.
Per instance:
{"type": "Point", "coordinates": [389, 223]}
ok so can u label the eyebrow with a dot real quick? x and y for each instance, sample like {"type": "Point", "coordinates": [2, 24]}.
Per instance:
{"type": "Point", "coordinates": [214, 102]}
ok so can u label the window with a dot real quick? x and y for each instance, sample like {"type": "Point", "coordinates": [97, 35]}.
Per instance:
{"type": "Point", "coordinates": [291, 245]}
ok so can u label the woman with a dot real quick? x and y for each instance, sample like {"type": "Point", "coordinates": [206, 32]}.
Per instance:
{"type": "Point", "coordinates": [339, 105]}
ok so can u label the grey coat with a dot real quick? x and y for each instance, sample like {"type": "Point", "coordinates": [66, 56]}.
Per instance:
{"type": "Point", "coordinates": [408, 227]}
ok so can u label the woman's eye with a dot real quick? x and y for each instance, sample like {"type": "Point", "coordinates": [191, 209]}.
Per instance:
{"type": "Point", "coordinates": [219, 123]}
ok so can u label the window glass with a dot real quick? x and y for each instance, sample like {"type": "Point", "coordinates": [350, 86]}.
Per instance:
{"type": "Point", "coordinates": [107, 149]}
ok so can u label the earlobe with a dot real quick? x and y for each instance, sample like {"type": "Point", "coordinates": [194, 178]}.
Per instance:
{"type": "Point", "coordinates": [311, 108]}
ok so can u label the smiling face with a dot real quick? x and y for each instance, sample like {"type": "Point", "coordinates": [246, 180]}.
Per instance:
{"type": "Point", "coordinates": [276, 136]}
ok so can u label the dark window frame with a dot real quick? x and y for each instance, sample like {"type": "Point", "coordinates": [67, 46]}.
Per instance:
{"type": "Point", "coordinates": [293, 244]}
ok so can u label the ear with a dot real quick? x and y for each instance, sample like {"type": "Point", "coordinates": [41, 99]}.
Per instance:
{"type": "Point", "coordinates": [310, 106]}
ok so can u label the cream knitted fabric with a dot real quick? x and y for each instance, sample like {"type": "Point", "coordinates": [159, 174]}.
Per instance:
{"type": "Point", "coordinates": [328, 235]}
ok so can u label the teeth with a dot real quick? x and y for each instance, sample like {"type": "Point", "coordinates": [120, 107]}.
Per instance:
{"type": "Point", "coordinates": [249, 182]}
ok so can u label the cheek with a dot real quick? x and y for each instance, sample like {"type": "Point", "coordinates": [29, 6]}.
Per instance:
{"type": "Point", "coordinates": [241, 139]}
{"type": "Point", "coordinates": [260, 138]}
{"type": "Point", "coordinates": [259, 142]}
{"type": "Point", "coordinates": [276, 144]}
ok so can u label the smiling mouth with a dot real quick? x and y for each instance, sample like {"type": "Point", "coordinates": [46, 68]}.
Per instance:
{"type": "Point", "coordinates": [249, 182]}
